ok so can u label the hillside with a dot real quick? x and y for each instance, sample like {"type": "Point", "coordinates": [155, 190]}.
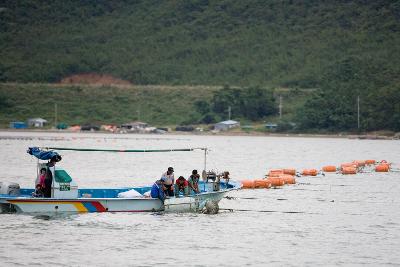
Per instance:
{"type": "Point", "coordinates": [342, 50]}
{"type": "Point", "coordinates": [160, 105]}
{"type": "Point", "coordinates": [200, 42]}
{"type": "Point", "coordinates": [157, 105]}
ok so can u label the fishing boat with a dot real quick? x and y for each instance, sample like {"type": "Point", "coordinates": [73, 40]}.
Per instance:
{"type": "Point", "coordinates": [66, 197]}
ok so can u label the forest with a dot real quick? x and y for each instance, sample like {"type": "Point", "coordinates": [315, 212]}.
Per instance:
{"type": "Point", "coordinates": [338, 50]}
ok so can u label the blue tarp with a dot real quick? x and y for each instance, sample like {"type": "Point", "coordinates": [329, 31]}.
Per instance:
{"type": "Point", "coordinates": [18, 125]}
{"type": "Point", "coordinates": [44, 155]}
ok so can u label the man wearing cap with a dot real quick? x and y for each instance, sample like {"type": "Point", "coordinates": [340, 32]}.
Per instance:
{"type": "Point", "coordinates": [169, 180]}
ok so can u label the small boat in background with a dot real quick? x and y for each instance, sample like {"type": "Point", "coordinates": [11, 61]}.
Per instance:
{"type": "Point", "coordinates": [66, 197]}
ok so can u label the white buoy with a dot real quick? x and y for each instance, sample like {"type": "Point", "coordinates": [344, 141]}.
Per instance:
{"type": "Point", "coordinates": [211, 207]}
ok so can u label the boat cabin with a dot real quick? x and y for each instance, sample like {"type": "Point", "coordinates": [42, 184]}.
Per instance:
{"type": "Point", "coordinates": [62, 184]}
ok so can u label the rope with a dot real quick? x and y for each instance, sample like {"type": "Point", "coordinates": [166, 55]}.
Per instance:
{"type": "Point", "coordinates": [269, 211]}
{"type": "Point", "coordinates": [123, 150]}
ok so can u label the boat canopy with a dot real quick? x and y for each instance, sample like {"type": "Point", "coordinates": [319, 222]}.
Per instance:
{"type": "Point", "coordinates": [43, 154]}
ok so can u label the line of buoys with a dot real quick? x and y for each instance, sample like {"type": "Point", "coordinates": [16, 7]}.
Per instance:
{"type": "Point", "coordinates": [270, 181]}
{"type": "Point", "coordinates": [353, 167]}
{"type": "Point", "coordinates": [280, 177]}
{"type": "Point", "coordinates": [357, 166]}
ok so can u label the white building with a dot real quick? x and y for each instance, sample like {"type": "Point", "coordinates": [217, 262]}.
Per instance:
{"type": "Point", "coordinates": [226, 125]}
{"type": "Point", "coordinates": [135, 126]}
{"type": "Point", "coordinates": [36, 122]}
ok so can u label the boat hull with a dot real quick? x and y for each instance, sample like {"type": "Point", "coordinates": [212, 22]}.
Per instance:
{"type": "Point", "coordinates": [42, 205]}
{"type": "Point", "coordinates": [106, 200]}
{"type": "Point", "coordinates": [193, 203]}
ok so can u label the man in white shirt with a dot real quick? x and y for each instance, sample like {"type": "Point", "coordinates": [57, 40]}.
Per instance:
{"type": "Point", "coordinates": [169, 180]}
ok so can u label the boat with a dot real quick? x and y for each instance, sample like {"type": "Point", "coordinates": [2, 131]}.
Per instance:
{"type": "Point", "coordinates": [67, 197]}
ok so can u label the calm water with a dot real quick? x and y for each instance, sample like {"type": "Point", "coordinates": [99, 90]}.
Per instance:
{"type": "Point", "coordinates": [331, 221]}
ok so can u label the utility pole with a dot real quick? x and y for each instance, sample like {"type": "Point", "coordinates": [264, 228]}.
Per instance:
{"type": "Point", "coordinates": [138, 114]}
{"type": "Point", "coordinates": [55, 115]}
{"type": "Point", "coordinates": [229, 112]}
{"type": "Point", "coordinates": [358, 112]}
{"type": "Point", "coordinates": [280, 107]}
{"type": "Point", "coordinates": [138, 105]}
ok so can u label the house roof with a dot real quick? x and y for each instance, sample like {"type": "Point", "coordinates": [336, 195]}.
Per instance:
{"type": "Point", "coordinates": [37, 119]}
{"type": "Point", "coordinates": [228, 122]}
{"type": "Point", "coordinates": [135, 123]}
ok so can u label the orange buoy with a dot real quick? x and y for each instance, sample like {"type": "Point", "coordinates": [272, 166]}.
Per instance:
{"type": "Point", "coordinates": [359, 163]}
{"type": "Point", "coordinates": [289, 179]}
{"type": "Point", "coordinates": [370, 161]}
{"type": "Point", "coordinates": [348, 164]}
{"type": "Point", "coordinates": [275, 173]}
{"type": "Point", "coordinates": [382, 168]}
{"type": "Point", "coordinates": [310, 172]}
{"type": "Point", "coordinates": [262, 183]}
{"type": "Point", "coordinates": [329, 168]}
{"type": "Point", "coordinates": [289, 171]}
{"type": "Point", "coordinates": [276, 181]}
{"type": "Point", "coordinates": [248, 184]}
{"type": "Point", "coordinates": [349, 170]}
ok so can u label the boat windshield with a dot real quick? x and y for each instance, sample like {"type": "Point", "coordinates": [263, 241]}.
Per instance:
{"type": "Point", "coordinates": [62, 176]}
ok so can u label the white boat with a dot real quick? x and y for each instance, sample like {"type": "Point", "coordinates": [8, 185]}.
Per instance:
{"type": "Point", "coordinates": [66, 197]}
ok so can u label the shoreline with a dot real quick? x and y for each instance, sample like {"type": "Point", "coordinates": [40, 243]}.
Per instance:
{"type": "Point", "coordinates": [367, 136]}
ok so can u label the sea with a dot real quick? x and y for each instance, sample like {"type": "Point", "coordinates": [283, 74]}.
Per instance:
{"type": "Point", "coordinates": [331, 220]}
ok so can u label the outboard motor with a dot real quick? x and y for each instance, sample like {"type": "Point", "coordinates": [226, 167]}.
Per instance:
{"type": "Point", "coordinates": [216, 184]}
{"type": "Point", "coordinates": [211, 175]}
{"type": "Point", "coordinates": [12, 189]}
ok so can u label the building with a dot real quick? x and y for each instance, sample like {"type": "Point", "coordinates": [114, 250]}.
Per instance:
{"type": "Point", "coordinates": [271, 126]}
{"type": "Point", "coordinates": [226, 125]}
{"type": "Point", "coordinates": [136, 126]}
{"type": "Point", "coordinates": [36, 122]}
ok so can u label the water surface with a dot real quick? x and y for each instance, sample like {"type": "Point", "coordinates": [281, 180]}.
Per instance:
{"type": "Point", "coordinates": [333, 220]}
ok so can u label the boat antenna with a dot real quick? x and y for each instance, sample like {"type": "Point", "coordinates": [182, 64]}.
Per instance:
{"type": "Point", "coordinates": [205, 159]}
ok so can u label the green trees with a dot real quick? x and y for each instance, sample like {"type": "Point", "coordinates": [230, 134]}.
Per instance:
{"type": "Point", "coordinates": [286, 43]}
{"type": "Point", "coordinates": [334, 106]}
{"type": "Point", "coordinates": [382, 109]}
{"type": "Point", "coordinates": [252, 103]}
